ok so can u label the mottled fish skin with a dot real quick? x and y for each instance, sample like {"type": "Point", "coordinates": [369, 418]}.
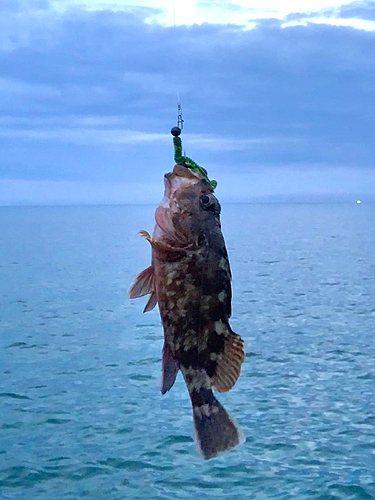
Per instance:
{"type": "Point", "coordinates": [194, 296]}
{"type": "Point", "coordinates": [192, 282]}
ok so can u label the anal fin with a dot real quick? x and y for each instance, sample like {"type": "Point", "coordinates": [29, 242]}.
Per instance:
{"type": "Point", "coordinates": [170, 369]}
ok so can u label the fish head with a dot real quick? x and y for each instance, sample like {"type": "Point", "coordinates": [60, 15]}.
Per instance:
{"type": "Point", "coordinates": [188, 208]}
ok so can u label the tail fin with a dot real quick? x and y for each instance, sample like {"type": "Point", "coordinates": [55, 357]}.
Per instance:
{"type": "Point", "coordinates": [215, 430]}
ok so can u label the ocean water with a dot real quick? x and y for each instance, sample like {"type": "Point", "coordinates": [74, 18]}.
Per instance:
{"type": "Point", "coordinates": [81, 415]}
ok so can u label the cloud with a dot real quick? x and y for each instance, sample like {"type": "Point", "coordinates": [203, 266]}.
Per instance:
{"type": "Point", "coordinates": [219, 4]}
{"type": "Point", "coordinates": [232, 7]}
{"type": "Point", "coordinates": [82, 136]}
{"type": "Point", "coordinates": [359, 9]}
{"type": "Point", "coordinates": [312, 183]}
{"type": "Point", "coordinates": [98, 107]}
{"type": "Point", "coordinates": [17, 88]}
{"type": "Point", "coordinates": [47, 192]}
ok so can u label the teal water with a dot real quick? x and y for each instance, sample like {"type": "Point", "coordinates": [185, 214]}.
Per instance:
{"type": "Point", "coordinates": [81, 415]}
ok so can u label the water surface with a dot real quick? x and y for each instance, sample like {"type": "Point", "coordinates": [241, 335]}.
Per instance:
{"type": "Point", "coordinates": [81, 415]}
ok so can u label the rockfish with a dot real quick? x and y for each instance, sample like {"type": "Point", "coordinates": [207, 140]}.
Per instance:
{"type": "Point", "coordinates": [190, 279]}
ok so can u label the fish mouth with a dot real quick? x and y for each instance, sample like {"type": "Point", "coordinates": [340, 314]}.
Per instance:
{"type": "Point", "coordinates": [185, 172]}
{"type": "Point", "coordinates": [180, 177]}
{"type": "Point", "coordinates": [167, 182]}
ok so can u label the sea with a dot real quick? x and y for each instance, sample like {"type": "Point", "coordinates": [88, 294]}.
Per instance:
{"type": "Point", "coordinates": [81, 413]}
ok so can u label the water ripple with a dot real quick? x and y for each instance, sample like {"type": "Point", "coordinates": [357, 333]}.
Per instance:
{"type": "Point", "coordinates": [17, 476]}
{"type": "Point", "coordinates": [81, 414]}
{"type": "Point", "coordinates": [12, 395]}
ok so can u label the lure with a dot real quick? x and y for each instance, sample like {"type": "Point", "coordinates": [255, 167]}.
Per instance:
{"type": "Point", "coordinates": [178, 156]}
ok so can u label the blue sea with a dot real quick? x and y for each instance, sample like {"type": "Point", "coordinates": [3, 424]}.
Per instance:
{"type": "Point", "coordinates": [81, 414]}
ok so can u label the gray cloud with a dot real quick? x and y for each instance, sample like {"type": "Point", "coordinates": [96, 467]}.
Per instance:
{"type": "Point", "coordinates": [90, 96]}
{"type": "Point", "coordinates": [359, 9]}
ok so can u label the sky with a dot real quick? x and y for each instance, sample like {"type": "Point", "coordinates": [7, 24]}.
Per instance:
{"type": "Point", "coordinates": [278, 98]}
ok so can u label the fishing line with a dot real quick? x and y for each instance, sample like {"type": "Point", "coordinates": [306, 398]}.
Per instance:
{"type": "Point", "coordinates": [180, 158]}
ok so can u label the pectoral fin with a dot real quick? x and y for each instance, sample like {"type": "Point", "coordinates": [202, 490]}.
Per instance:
{"type": "Point", "coordinates": [162, 246]}
{"type": "Point", "coordinates": [152, 301]}
{"type": "Point", "coordinates": [170, 370]}
{"type": "Point", "coordinates": [143, 284]}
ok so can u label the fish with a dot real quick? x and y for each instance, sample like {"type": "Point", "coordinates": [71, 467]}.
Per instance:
{"type": "Point", "coordinates": [190, 280]}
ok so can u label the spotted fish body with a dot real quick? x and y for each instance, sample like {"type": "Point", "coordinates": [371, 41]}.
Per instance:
{"type": "Point", "coordinates": [190, 279]}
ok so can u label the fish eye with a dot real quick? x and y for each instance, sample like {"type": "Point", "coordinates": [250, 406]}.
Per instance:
{"type": "Point", "coordinates": [205, 199]}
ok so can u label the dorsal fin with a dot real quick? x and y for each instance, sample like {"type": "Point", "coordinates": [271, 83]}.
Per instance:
{"type": "Point", "coordinates": [229, 362]}
{"type": "Point", "coordinates": [143, 284]}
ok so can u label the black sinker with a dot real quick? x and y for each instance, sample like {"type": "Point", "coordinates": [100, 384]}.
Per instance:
{"type": "Point", "coordinates": [175, 131]}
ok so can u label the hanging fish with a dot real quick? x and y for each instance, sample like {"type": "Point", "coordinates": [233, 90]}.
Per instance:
{"type": "Point", "coordinates": [190, 279]}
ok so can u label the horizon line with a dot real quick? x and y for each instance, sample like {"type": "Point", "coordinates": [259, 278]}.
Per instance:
{"type": "Point", "coordinates": [259, 202]}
